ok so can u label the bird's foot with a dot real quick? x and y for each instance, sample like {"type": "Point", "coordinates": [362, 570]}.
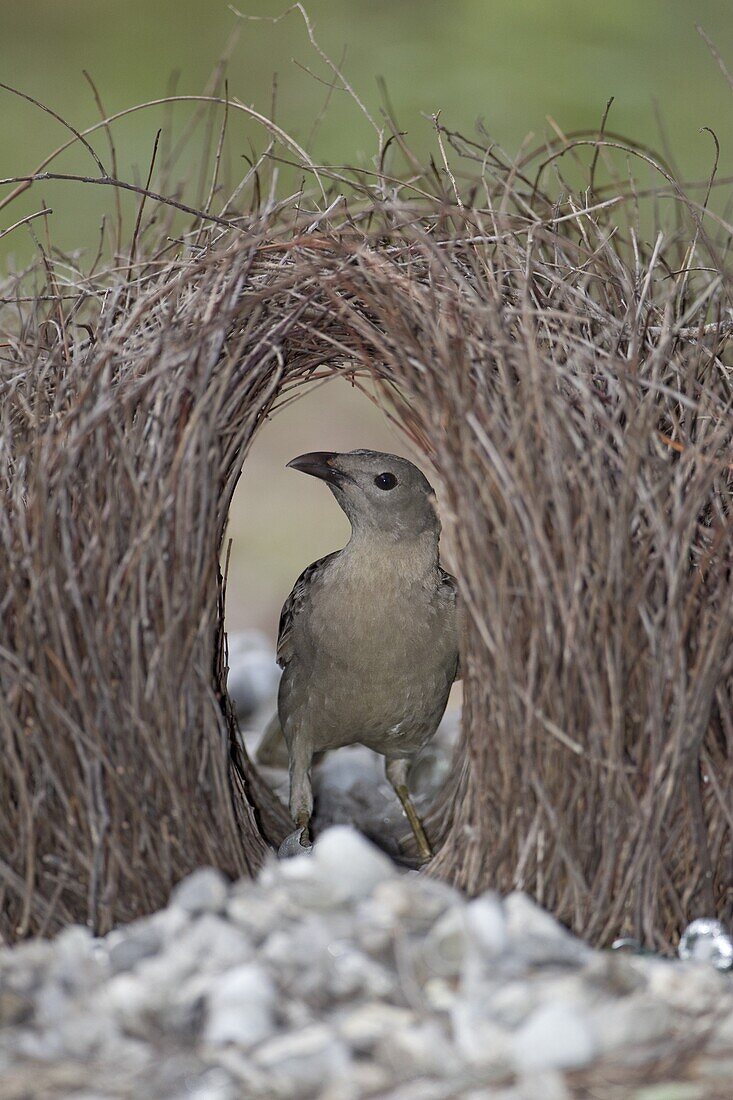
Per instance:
{"type": "Point", "coordinates": [295, 844]}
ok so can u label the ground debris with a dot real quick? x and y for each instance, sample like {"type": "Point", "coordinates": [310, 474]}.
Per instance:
{"type": "Point", "coordinates": [336, 975]}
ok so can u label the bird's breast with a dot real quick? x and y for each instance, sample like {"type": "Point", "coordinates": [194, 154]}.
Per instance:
{"type": "Point", "coordinates": [373, 661]}
{"type": "Point", "coordinates": [378, 625]}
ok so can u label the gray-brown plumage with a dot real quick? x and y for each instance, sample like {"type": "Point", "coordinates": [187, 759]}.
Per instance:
{"type": "Point", "coordinates": [368, 636]}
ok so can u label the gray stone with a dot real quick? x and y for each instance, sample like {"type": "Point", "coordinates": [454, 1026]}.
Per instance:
{"type": "Point", "coordinates": [440, 994]}
{"type": "Point", "coordinates": [547, 1085]}
{"type": "Point", "coordinates": [25, 966]}
{"type": "Point", "coordinates": [614, 974]}
{"type": "Point", "coordinates": [486, 924]}
{"type": "Point", "coordinates": [673, 1090]}
{"type": "Point", "coordinates": [15, 1008]}
{"type": "Point", "coordinates": [370, 1079]}
{"type": "Point", "coordinates": [130, 949]}
{"type": "Point", "coordinates": [240, 1007]}
{"type": "Point", "coordinates": [721, 1041]}
{"type": "Point", "coordinates": [482, 1042]}
{"type": "Point", "coordinates": [538, 938]}
{"type": "Point", "coordinates": [418, 1048]}
{"type": "Point", "coordinates": [256, 911]}
{"type": "Point", "coordinates": [557, 1035]}
{"type": "Point", "coordinates": [84, 1034]}
{"type": "Point", "coordinates": [352, 975]}
{"type": "Point", "coordinates": [204, 891]}
{"type": "Point", "coordinates": [631, 1027]}
{"type": "Point", "coordinates": [466, 936]}
{"type": "Point", "coordinates": [716, 1069]}
{"type": "Point", "coordinates": [214, 1084]}
{"type": "Point", "coordinates": [405, 904]}
{"type": "Point", "coordinates": [211, 943]}
{"type": "Point", "coordinates": [78, 965]}
{"type": "Point", "coordinates": [690, 987]}
{"type": "Point", "coordinates": [127, 999]}
{"type": "Point", "coordinates": [446, 944]}
{"type": "Point", "coordinates": [366, 1025]}
{"type": "Point", "coordinates": [301, 1063]}
{"type": "Point", "coordinates": [508, 1002]}
{"type": "Point", "coordinates": [167, 923]}
{"type": "Point", "coordinates": [180, 1015]}
{"type": "Point", "coordinates": [343, 868]}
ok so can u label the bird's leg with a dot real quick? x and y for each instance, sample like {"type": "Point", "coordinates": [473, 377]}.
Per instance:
{"type": "Point", "coordinates": [396, 770]}
{"type": "Point", "coordinates": [301, 791]}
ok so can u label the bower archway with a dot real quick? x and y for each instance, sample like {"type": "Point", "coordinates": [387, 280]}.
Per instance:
{"type": "Point", "coordinates": [595, 765]}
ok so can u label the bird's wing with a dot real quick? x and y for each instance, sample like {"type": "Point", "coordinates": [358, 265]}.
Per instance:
{"type": "Point", "coordinates": [293, 606]}
{"type": "Point", "coordinates": [448, 589]}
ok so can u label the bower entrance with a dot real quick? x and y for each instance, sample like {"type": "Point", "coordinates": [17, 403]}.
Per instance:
{"type": "Point", "coordinates": [279, 522]}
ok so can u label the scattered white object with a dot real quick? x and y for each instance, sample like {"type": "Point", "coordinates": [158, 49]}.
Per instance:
{"type": "Point", "coordinates": [240, 1007]}
{"type": "Point", "coordinates": [487, 925]}
{"type": "Point", "coordinates": [548, 1084]}
{"type": "Point", "coordinates": [370, 1022]}
{"type": "Point", "coordinates": [419, 1048]}
{"type": "Point", "coordinates": [126, 1000]}
{"type": "Point", "coordinates": [355, 864]}
{"type": "Point", "coordinates": [537, 937]}
{"type": "Point", "coordinates": [631, 1022]}
{"type": "Point", "coordinates": [707, 941]}
{"type": "Point", "coordinates": [302, 1062]}
{"type": "Point", "coordinates": [77, 966]}
{"type": "Point", "coordinates": [343, 867]}
{"type": "Point", "coordinates": [335, 976]}
{"type": "Point", "coordinates": [446, 944]}
{"type": "Point", "coordinates": [130, 946]}
{"type": "Point", "coordinates": [481, 1041]}
{"type": "Point", "coordinates": [215, 1084]}
{"type": "Point", "coordinates": [557, 1035]}
{"type": "Point", "coordinates": [465, 937]}
{"type": "Point", "coordinates": [204, 891]}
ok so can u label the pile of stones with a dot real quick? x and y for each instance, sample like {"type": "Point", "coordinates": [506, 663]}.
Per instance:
{"type": "Point", "coordinates": [337, 976]}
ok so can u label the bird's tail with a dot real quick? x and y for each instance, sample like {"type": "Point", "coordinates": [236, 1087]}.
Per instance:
{"type": "Point", "coordinates": [272, 751]}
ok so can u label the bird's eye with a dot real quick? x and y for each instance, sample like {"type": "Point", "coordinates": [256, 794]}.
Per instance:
{"type": "Point", "coordinates": [385, 481]}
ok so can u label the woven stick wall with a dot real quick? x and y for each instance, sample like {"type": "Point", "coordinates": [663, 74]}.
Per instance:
{"type": "Point", "coordinates": [571, 387]}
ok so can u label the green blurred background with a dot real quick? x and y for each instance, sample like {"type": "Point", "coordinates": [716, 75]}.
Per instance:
{"type": "Point", "coordinates": [511, 64]}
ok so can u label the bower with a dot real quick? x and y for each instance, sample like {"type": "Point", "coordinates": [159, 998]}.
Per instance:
{"type": "Point", "coordinates": [573, 401]}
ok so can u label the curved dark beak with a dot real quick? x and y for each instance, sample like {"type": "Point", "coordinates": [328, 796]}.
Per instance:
{"type": "Point", "coordinates": [319, 464]}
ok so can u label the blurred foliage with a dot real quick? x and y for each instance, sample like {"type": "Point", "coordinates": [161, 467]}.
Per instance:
{"type": "Point", "coordinates": [511, 65]}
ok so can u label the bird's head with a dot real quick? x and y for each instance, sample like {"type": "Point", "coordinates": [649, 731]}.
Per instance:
{"type": "Point", "coordinates": [380, 493]}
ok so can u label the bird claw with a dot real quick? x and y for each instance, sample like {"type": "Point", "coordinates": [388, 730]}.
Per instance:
{"type": "Point", "coordinates": [295, 844]}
